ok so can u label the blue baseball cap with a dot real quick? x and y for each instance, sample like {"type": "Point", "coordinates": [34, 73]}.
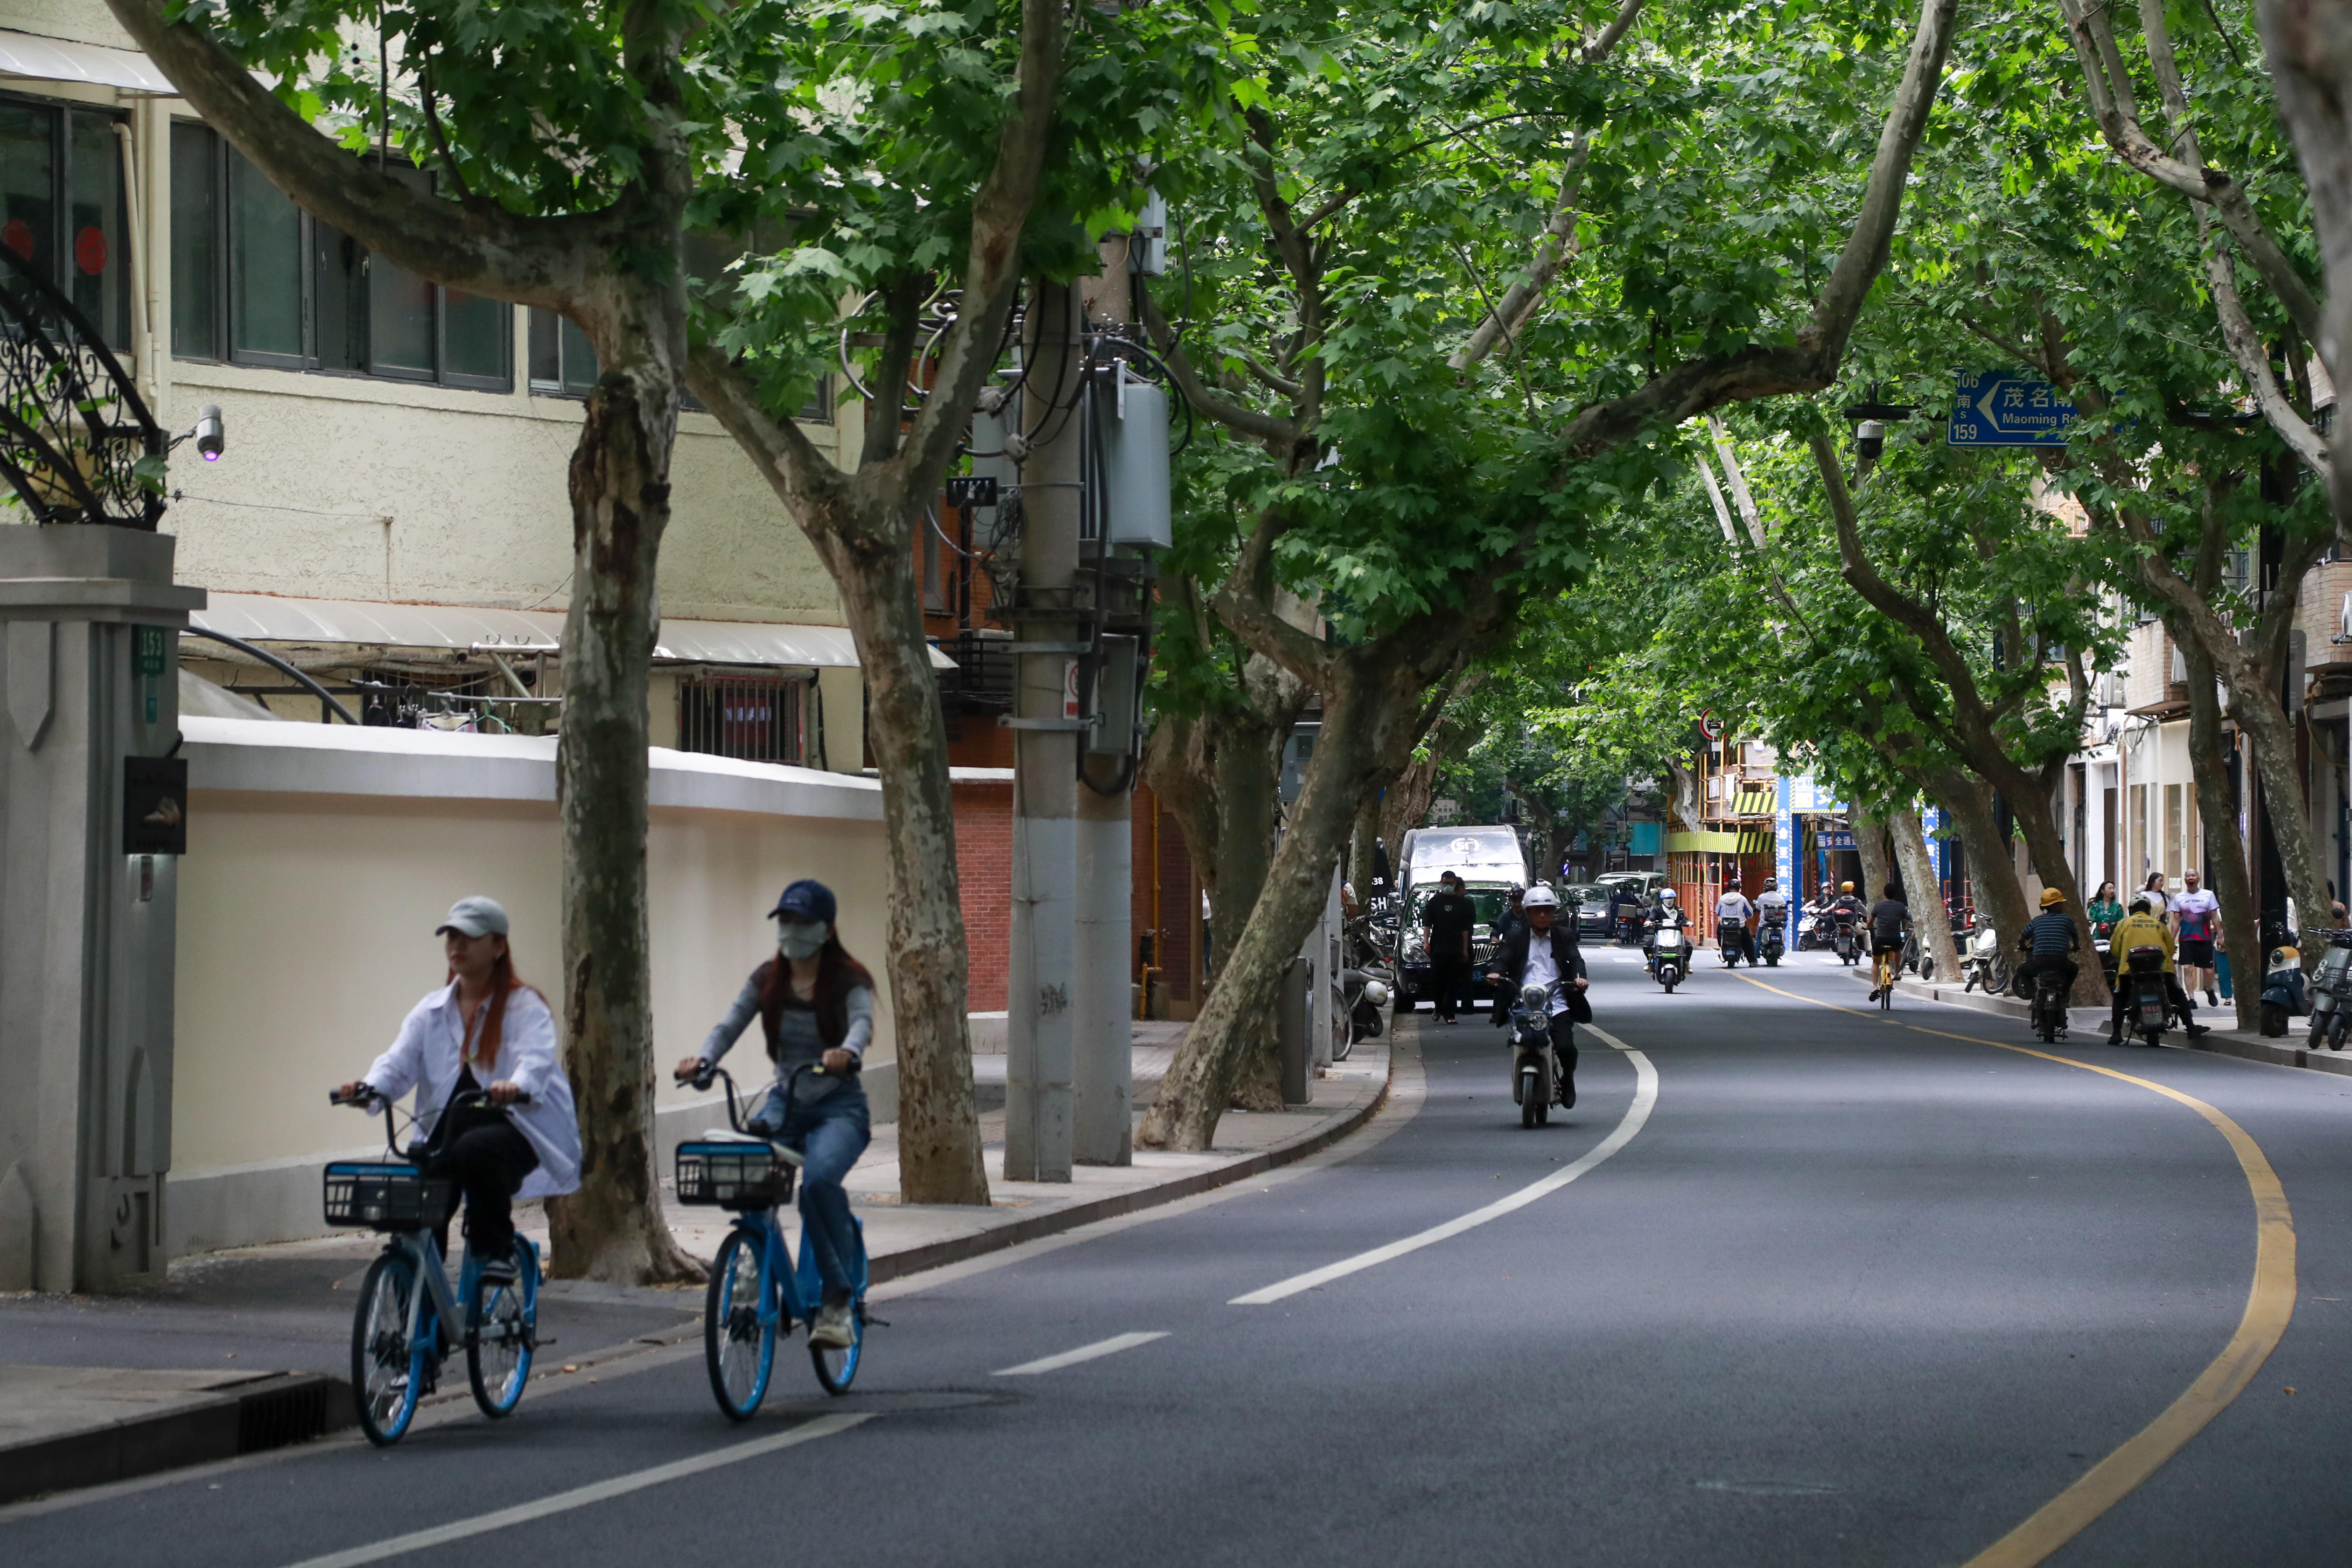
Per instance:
{"type": "Point", "coordinates": [807, 900]}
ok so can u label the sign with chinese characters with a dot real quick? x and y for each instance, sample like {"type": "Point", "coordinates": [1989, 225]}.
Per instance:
{"type": "Point", "coordinates": [2004, 408]}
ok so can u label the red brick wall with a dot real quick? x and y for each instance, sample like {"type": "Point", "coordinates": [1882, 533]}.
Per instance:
{"type": "Point", "coordinates": [983, 823]}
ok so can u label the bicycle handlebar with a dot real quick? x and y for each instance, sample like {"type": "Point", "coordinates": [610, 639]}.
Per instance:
{"type": "Point", "coordinates": [713, 1072]}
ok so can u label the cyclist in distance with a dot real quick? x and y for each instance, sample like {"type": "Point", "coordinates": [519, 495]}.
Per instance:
{"type": "Point", "coordinates": [816, 1007]}
{"type": "Point", "coordinates": [483, 1030]}
{"type": "Point", "coordinates": [1890, 919]}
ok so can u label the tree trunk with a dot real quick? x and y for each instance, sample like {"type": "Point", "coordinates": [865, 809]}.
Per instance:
{"type": "Point", "coordinates": [2038, 825]}
{"type": "Point", "coordinates": [613, 1230]}
{"type": "Point", "coordinates": [1927, 901]}
{"type": "Point", "coordinates": [1360, 843]}
{"type": "Point", "coordinates": [1248, 760]}
{"type": "Point", "coordinates": [1176, 766]}
{"type": "Point", "coordinates": [1369, 714]}
{"type": "Point", "coordinates": [1403, 807]}
{"type": "Point", "coordinates": [2226, 871]}
{"type": "Point", "coordinates": [2254, 704]}
{"type": "Point", "coordinates": [2307, 44]}
{"type": "Point", "coordinates": [1992, 871]}
{"type": "Point", "coordinates": [1870, 844]}
{"type": "Point", "coordinates": [872, 560]}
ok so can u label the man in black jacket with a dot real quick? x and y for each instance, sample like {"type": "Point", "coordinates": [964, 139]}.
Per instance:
{"type": "Point", "coordinates": [1543, 952]}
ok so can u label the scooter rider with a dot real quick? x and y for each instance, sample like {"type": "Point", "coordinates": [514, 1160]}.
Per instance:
{"type": "Point", "coordinates": [2048, 941]}
{"type": "Point", "coordinates": [1544, 951]}
{"type": "Point", "coordinates": [1666, 912]}
{"type": "Point", "coordinates": [1772, 909]}
{"type": "Point", "coordinates": [2143, 927]}
{"type": "Point", "coordinates": [1734, 909]}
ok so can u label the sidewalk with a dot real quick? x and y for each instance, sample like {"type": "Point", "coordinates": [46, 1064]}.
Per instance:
{"type": "Point", "coordinates": [245, 1350]}
{"type": "Point", "coordinates": [2290, 1051]}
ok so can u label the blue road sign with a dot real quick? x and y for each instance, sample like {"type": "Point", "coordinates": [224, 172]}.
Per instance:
{"type": "Point", "coordinates": [2004, 408]}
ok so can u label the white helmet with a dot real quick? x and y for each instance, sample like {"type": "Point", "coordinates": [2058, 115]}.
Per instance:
{"type": "Point", "coordinates": [1667, 895]}
{"type": "Point", "coordinates": [1539, 897]}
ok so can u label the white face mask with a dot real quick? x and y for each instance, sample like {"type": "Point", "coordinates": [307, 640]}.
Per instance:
{"type": "Point", "coordinates": [801, 938]}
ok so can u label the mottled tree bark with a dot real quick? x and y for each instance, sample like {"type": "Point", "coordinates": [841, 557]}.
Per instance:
{"type": "Point", "coordinates": [863, 524]}
{"type": "Point", "coordinates": [613, 1228]}
{"type": "Point", "coordinates": [1927, 898]}
{"type": "Point", "coordinates": [619, 273]}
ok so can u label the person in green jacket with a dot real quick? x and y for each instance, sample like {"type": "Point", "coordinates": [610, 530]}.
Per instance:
{"type": "Point", "coordinates": [2105, 909]}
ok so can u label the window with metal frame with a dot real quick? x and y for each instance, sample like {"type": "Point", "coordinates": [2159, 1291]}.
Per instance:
{"type": "Point", "coordinates": [255, 280]}
{"type": "Point", "coordinates": [563, 364]}
{"type": "Point", "coordinates": [757, 718]}
{"type": "Point", "coordinates": [62, 209]}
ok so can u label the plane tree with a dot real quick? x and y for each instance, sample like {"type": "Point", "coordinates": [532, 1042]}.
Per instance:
{"type": "Point", "coordinates": [1653, 233]}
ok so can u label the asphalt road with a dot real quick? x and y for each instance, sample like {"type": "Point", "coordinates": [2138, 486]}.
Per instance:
{"type": "Point", "coordinates": [1852, 1293]}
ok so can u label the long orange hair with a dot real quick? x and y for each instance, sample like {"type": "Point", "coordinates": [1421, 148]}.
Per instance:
{"type": "Point", "coordinates": [503, 979]}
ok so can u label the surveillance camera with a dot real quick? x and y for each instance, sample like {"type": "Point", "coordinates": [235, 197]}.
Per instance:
{"type": "Point", "coordinates": [212, 437]}
{"type": "Point", "coordinates": [1870, 438]}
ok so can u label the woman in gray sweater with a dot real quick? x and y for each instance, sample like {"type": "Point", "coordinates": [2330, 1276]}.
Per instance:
{"type": "Point", "coordinates": [816, 1006]}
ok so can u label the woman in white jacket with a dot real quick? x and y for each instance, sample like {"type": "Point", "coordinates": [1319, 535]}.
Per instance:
{"type": "Point", "coordinates": [484, 1030]}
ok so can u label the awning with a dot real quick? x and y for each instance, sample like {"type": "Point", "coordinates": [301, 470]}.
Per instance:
{"type": "Point", "coordinates": [365, 623]}
{"type": "Point", "coordinates": [56, 59]}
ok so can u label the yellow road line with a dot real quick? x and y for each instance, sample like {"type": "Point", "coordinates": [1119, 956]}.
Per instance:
{"type": "Point", "coordinates": [2270, 1303]}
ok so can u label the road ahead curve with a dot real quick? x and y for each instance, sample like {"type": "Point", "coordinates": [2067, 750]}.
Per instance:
{"type": "Point", "coordinates": [1852, 1294]}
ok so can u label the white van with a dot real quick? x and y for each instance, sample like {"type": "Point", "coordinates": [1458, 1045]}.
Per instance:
{"type": "Point", "coordinates": [1490, 863]}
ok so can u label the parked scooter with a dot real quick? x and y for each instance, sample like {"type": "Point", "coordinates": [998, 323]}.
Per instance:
{"type": "Point", "coordinates": [2283, 988]}
{"type": "Point", "coordinates": [2147, 1003]}
{"type": "Point", "coordinates": [1531, 1068]}
{"type": "Point", "coordinates": [1983, 963]}
{"type": "Point", "coordinates": [1364, 998]}
{"type": "Point", "coordinates": [1672, 961]}
{"type": "Point", "coordinates": [2331, 992]}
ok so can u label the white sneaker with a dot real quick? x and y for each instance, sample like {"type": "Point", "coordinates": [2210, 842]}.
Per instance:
{"type": "Point", "coordinates": [832, 1328]}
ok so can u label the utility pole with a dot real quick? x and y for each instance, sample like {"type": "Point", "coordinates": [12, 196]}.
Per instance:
{"type": "Point", "coordinates": [1104, 1041]}
{"type": "Point", "coordinates": [1043, 975]}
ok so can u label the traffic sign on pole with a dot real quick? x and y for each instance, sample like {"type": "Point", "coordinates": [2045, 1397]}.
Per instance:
{"type": "Point", "coordinates": [2006, 408]}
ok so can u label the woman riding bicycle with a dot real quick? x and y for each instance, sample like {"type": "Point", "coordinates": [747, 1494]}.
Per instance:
{"type": "Point", "coordinates": [485, 1030]}
{"type": "Point", "coordinates": [816, 1006]}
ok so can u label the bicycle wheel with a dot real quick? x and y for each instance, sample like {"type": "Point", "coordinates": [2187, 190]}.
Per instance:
{"type": "Point", "coordinates": [499, 1351]}
{"type": "Point", "coordinates": [387, 1369]}
{"type": "Point", "coordinates": [738, 1349]}
{"type": "Point", "coordinates": [836, 1367]}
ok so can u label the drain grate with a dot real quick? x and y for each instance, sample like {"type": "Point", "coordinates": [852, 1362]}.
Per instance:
{"type": "Point", "coordinates": [290, 1410]}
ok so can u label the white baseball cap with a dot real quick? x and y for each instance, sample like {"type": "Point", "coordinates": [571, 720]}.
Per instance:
{"type": "Point", "coordinates": [474, 916]}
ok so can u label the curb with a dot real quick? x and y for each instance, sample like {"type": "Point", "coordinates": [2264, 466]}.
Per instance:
{"type": "Point", "coordinates": [960, 1248]}
{"type": "Point", "coordinates": [271, 1412]}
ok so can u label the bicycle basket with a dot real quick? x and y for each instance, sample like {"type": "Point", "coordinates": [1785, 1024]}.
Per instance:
{"type": "Point", "coordinates": [383, 1196]}
{"type": "Point", "coordinates": [732, 1175]}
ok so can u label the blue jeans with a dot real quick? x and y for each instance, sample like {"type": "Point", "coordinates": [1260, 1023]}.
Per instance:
{"type": "Point", "coordinates": [830, 1134]}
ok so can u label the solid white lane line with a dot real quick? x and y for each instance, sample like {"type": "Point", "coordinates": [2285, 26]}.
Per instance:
{"type": "Point", "coordinates": [1645, 1095]}
{"type": "Point", "coordinates": [1094, 1352]}
{"type": "Point", "coordinates": [581, 1497]}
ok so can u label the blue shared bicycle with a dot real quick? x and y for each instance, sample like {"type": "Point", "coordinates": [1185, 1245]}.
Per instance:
{"type": "Point", "coordinates": [756, 1291]}
{"type": "Point", "coordinates": [401, 1333]}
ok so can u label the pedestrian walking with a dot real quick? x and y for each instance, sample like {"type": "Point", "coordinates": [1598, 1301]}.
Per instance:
{"type": "Point", "coordinates": [1446, 922]}
{"type": "Point", "coordinates": [2197, 927]}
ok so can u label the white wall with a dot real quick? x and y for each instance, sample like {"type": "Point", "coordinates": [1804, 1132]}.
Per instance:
{"type": "Point", "coordinates": [320, 861]}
